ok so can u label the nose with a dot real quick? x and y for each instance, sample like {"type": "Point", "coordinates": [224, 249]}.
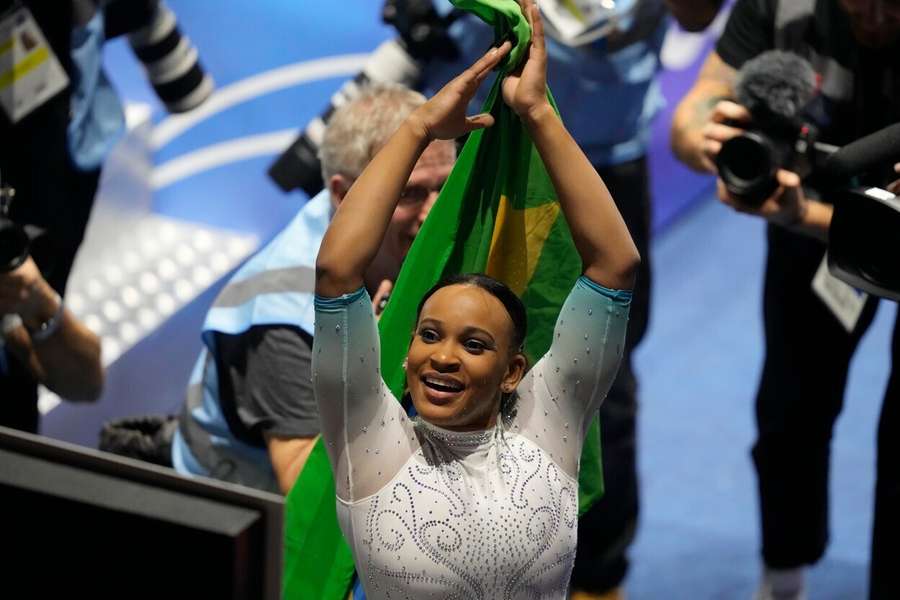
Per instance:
{"type": "Point", "coordinates": [443, 359]}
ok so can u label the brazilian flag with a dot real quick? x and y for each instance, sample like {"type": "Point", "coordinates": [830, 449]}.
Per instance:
{"type": "Point", "coordinates": [497, 214]}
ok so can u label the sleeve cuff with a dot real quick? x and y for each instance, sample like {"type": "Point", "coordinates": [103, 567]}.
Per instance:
{"type": "Point", "coordinates": [324, 304]}
{"type": "Point", "coordinates": [620, 297]}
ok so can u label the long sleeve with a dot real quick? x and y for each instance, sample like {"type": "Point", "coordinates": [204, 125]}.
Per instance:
{"type": "Point", "coordinates": [559, 396]}
{"type": "Point", "coordinates": [367, 434]}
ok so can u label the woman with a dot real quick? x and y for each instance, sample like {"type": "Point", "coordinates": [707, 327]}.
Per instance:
{"type": "Point", "coordinates": [476, 497]}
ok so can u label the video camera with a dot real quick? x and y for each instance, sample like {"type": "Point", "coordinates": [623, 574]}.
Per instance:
{"type": "Point", "coordinates": [777, 88]}
{"type": "Point", "coordinates": [862, 249]}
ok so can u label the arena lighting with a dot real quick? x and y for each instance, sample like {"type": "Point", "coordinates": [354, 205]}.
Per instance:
{"type": "Point", "coordinates": [146, 277]}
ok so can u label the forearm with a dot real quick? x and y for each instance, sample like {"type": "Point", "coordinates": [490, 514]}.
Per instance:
{"type": "Point", "coordinates": [67, 362]}
{"type": "Point", "coordinates": [694, 114]}
{"type": "Point", "coordinates": [694, 15]}
{"type": "Point", "coordinates": [71, 361]}
{"type": "Point", "coordinates": [815, 220]}
{"type": "Point", "coordinates": [360, 223]}
{"type": "Point", "coordinates": [607, 251]}
{"type": "Point", "coordinates": [687, 138]}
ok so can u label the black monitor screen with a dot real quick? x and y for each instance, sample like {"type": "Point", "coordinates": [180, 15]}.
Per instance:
{"type": "Point", "coordinates": [95, 525]}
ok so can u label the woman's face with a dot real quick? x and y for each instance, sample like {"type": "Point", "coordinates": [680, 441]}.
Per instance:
{"type": "Point", "coordinates": [461, 359]}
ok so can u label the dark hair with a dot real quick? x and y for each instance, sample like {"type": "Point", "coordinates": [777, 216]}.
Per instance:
{"type": "Point", "coordinates": [497, 289]}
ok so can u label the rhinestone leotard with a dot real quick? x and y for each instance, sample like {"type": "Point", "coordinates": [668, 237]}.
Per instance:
{"type": "Point", "coordinates": [432, 513]}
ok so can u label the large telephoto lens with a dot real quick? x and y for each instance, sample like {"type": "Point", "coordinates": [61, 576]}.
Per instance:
{"type": "Point", "coordinates": [747, 165]}
{"type": "Point", "coordinates": [171, 62]}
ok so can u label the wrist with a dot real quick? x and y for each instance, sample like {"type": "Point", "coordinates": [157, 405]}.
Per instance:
{"type": "Point", "coordinates": [797, 217]}
{"type": "Point", "coordinates": [535, 116]}
{"type": "Point", "coordinates": [415, 127]}
{"type": "Point", "coordinates": [42, 304]}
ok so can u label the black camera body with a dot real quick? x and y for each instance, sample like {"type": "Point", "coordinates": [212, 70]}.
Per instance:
{"type": "Point", "coordinates": [748, 163]}
{"type": "Point", "coordinates": [862, 241]}
{"type": "Point", "coordinates": [15, 242]}
{"type": "Point", "coordinates": [776, 88]}
{"type": "Point", "coordinates": [14, 245]}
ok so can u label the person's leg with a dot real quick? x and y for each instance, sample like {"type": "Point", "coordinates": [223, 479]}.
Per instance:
{"type": "Point", "coordinates": [607, 530]}
{"type": "Point", "coordinates": [883, 582]}
{"type": "Point", "coordinates": [807, 353]}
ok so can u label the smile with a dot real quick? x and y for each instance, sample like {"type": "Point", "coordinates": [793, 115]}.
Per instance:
{"type": "Point", "coordinates": [442, 388]}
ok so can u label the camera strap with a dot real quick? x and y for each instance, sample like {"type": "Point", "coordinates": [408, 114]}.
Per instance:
{"type": "Point", "coordinates": [30, 72]}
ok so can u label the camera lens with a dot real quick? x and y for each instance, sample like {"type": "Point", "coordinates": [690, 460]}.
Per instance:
{"type": "Point", "coordinates": [171, 62]}
{"type": "Point", "coordinates": [747, 166]}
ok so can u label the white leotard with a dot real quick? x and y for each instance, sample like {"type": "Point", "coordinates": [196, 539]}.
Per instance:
{"type": "Point", "coordinates": [432, 513]}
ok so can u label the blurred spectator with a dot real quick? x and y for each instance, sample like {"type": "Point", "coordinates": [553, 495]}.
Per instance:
{"type": "Point", "coordinates": [55, 134]}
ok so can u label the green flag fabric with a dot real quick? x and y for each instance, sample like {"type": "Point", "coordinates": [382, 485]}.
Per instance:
{"type": "Point", "coordinates": [496, 214]}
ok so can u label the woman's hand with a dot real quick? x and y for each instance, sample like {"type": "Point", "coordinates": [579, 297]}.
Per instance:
{"type": "Point", "coordinates": [443, 117]}
{"type": "Point", "coordinates": [525, 89]}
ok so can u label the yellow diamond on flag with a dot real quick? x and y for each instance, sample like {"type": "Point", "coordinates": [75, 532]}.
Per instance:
{"type": "Point", "coordinates": [517, 242]}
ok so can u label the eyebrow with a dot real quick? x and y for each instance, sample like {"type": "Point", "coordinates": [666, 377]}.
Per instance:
{"type": "Point", "coordinates": [467, 330]}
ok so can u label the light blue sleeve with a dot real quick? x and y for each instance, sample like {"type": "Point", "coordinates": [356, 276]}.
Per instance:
{"type": "Point", "coordinates": [559, 396]}
{"type": "Point", "coordinates": [366, 432]}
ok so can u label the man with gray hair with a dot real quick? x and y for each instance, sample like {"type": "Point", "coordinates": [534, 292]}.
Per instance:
{"type": "Point", "coordinates": [250, 416]}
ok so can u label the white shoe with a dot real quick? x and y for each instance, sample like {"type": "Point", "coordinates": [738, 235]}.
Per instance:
{"type": "Point", "coordinates": [782, 584]}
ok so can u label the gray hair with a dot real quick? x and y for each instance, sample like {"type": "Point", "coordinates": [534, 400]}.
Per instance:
{"type": "Point", "coordinates": [358, 129]}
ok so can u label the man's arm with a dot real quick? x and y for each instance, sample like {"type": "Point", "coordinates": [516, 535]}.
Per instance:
{"type": "Point", "coordinates": [288, 456]}
{"type": "Point", "coordinates": [268, 369]}
{"type": "Point", "coordinates": [700, 123]}
{"type": "Point", "coordinates": [694, 15]}
{"type": "Point", "coordinates": [60, 352]}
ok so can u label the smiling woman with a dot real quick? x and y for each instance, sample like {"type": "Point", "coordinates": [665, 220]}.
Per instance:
{"type": "Point", "coordinates": [477, 496]}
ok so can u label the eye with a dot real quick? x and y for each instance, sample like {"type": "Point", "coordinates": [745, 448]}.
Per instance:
{"type": "Point", "coordinates": [429, 335]}
{"type": "Point", "coordinates": [474, 346]}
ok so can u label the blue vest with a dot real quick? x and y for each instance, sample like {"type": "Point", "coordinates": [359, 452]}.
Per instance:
{"type": "Point", "coordinates": [606, 91]}
{"type": "Point", "coordinates": [275, 287]}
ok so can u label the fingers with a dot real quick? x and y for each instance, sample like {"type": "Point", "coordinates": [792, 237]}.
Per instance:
{"type": "Point", "coordinates": [787, 179]}
{"type": "Point", "coordinates": [714, 135]}
{"type": "Point", "coordinates": [537, 25]}
{"type": "Point", "coordinates": [484, 65]}
{"type": "Point", "coordinates": [479, 121]}
{"type": "Point", "coordinates": [725, 110]}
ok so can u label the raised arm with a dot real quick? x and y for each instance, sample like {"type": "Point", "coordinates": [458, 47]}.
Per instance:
{"type": "Point", "coordinates": [358, 227]}
{"type": "Point", "coordinates": [607, 251]}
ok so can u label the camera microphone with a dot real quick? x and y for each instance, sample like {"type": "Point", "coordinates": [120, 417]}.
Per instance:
{"type": "Point", "coordinates": [874, 151]}
{"type": "Point", "coordinates": [776, 87]}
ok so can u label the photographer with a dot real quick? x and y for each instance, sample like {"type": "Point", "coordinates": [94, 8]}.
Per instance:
{"type": "Point", "coordinates": [54, 138]}
{"type": "Point", "coordinates": [853, 48]}
{"type": "Point", "coordinates": [42, 341]}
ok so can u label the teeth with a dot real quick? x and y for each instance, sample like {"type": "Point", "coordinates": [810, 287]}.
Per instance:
{"type": "Point", "coordinates": [443, 383]}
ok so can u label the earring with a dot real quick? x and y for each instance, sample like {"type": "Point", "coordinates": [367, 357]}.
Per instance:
{"type": "Point", "coordinates": [404, 364]}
